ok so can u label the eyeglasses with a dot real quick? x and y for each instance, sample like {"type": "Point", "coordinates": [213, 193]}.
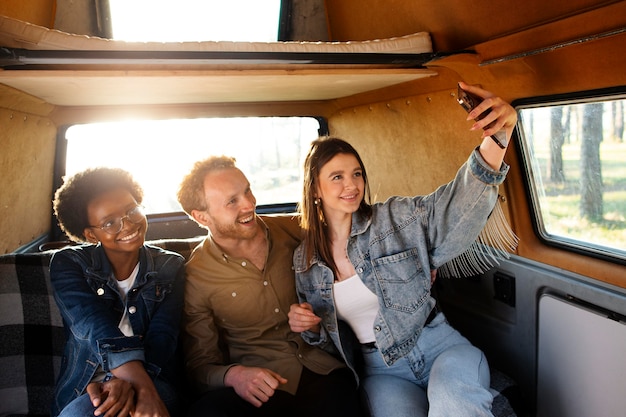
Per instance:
{"type": "Point", "coordinates": [114, 226]}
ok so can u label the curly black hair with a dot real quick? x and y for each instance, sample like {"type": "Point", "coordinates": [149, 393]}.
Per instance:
{"type": "Point", "coordinates": [72, 198]}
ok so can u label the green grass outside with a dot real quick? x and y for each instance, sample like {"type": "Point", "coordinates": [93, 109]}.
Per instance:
{"type": "Point", "coordinates": [561, 204]}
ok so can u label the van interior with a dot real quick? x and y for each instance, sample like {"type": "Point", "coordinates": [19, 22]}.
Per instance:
{"type": "Point", "coordinates": [550, 314]}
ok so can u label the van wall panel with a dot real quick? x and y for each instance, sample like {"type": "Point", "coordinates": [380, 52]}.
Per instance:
{"type": "Point", "coordinates": [509, 335]}
{"type": "Point", "coordinates": [26, 167]}
{"type": "Point", "coordinates": [453, 24]}
{"type": "Point", "coordinates": [39, 12]}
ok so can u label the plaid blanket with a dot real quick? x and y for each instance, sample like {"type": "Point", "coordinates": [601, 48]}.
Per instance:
{"type": "Point", "coordinates": [31, 336]}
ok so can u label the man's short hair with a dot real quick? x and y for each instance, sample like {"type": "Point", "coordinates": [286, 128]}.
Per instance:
{"type": "Point", "coordinates": [191, 191]}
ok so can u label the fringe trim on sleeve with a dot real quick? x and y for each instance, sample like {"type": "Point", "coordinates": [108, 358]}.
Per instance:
{"type": "Point", "coordinates": [494, 242]}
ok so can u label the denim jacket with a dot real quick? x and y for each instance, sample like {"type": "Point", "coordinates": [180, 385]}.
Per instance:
{"type": "Point", "coordinates": [393, 252]}
{"type": "Point", "coordinates": [91, 306]}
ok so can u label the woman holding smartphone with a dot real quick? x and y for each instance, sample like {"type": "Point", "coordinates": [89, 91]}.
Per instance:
{"type": "Point", "coordinates": [363, 274]}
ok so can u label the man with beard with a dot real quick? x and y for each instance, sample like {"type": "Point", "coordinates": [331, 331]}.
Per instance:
{"type": "Point", "coordinates": [240, 354]}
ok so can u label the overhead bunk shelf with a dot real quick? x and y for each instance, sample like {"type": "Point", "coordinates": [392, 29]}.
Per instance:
{"type": "Point", "coordinates": [74, 70]}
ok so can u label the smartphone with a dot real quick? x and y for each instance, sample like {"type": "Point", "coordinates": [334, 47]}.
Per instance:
{"type": "Point", "coordinates": [469, 101]}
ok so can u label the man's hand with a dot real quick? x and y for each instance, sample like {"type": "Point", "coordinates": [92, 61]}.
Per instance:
{"type": "Point", "coordinates": [255, 385]}
{"type": "Point", "coordinates": [302, 318]}
{"type": "Point", "coordinates": [112, 398]}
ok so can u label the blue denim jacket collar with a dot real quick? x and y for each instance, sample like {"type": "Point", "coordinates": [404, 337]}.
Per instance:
{"type": "Point", "coordinates": [101, 267]}
{"type": "Point", "coordinates": [360, 224]}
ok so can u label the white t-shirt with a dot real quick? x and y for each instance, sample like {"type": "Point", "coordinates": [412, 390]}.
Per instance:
{"type": "Point", "coordinates": [125, 286]}
{"type": "Point", "coordinates": [358, 306]}
{"type": "Point", "coordinates": [124, 324]}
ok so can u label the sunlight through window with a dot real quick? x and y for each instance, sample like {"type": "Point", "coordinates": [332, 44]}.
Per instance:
{"type": "Point", "coordinates": [195, 20]}
{"type": "Point", "coordinates": [269, 150]}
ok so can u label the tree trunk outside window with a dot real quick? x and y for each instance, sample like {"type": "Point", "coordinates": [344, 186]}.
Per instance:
{"type": "Point", "coordinates": [591, 167]}
{"type": "Point", "coordinates": [557, 138]}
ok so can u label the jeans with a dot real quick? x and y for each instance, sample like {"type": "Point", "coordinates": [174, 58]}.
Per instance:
{"type": "Point", "coordinates": [82, 407]}
{"type": "Point", "coordinates": [450, 377]}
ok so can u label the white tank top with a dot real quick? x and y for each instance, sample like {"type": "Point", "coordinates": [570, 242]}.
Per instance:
{"type": "Point", "coordinates": [357, 306]}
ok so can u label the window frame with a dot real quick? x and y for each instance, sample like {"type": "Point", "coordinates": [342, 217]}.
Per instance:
{"type": "Point", "coordinates": [532, 194]}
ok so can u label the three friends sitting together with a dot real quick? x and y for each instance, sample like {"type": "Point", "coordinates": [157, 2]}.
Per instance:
{"type": "Point", "coordinates": [328, 313]}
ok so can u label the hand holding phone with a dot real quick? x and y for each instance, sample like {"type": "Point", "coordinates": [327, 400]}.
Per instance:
{"type": "Point", "coordinates": [469, 102]}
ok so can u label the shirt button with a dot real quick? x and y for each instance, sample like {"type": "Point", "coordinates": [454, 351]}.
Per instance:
{"type": "Point", "coordinates": [244, 263]}
{"type": "Point", "coordinates": [360, 270]}
{"type": "Point", "coordinates": [300, 355]}
{"type": "Point", "coordinates": [265, 283]}
{"type": "Point", "coordinates": [276, 310]}
{"type": "Point", "coordinates": [234, 294]}
{"type": "Point", "coordinates": [100, 291]}
{"type": "Point", "coordinates": [132, 309]}
{"type": "Point", "coordinates": [377, 328]}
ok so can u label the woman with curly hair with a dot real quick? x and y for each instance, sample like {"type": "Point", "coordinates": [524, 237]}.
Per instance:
{"type": "Point", "coordinates": [121, 302]}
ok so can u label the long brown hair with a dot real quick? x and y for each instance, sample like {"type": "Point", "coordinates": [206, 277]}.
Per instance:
{"type": "Point", "coordinates": [312, 221]}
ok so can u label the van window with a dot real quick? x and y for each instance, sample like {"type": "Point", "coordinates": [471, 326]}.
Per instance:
{"type": "Point", "coordinates": [195, 20]}
{"type": "Point", "coordinates": [269, 150]}
{"type": "Point", "coordinates": [575, 157]}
